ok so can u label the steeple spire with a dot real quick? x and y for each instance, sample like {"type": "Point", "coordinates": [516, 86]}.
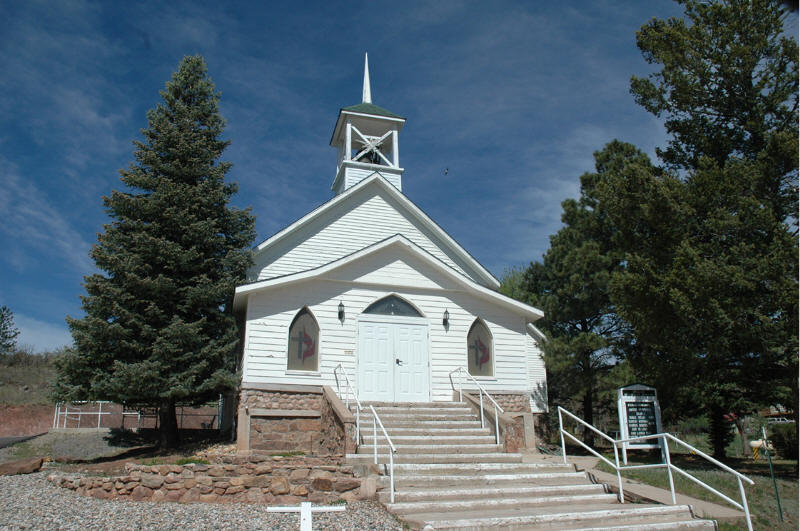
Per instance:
{"type": "Point", "coordinates": [367, 93]}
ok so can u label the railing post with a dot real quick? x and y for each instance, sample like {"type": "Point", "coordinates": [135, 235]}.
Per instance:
{"type": "Point", "coordinates": [480, 393]}
{"type": "Point", "coordinates": [391, 473]}
{"type": "Point", "coordinates": [55, 415]}
{"type": "Point", "coordinates": [669, 470]}
{"type": "Point", "coordinates": [375, 438]}
{"type": "Point", "coordinates": [561, 432]}
{"type": "Point", "coordinates": [744, 504]}
{"type": "Point", "coordinates": [496, 426]}
{"type": "Point", "coordinates": [619, 474]}
{"type": "Point", "coordinates": [358, 426]}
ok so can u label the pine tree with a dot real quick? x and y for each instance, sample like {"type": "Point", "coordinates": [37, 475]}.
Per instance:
{"type": "Point", "coordinates": [8, 332]}
{"type": "Point", "coordinates": [710, 284]}
{"type": "Point", "coordinates": [159, 328]}
{"type": "Point", "coordinates": [571, 286]}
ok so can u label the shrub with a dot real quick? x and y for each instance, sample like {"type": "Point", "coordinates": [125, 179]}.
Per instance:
{"type": "Point", "coordinates": [784, 438]}
{"type": "Point", "coordinates": [188, 460]}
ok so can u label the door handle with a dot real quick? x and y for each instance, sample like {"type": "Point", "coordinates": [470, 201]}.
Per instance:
{"type": "Point", "coordinates": [398, 362]}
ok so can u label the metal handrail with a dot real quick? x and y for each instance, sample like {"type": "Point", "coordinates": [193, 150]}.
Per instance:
{"type": "Point", "coordinates": [665, 437]}
{"type": "Point", "coordinates": [481, 392]}
{"type": "Point", "coordinates": [376, 421]}
{"type": "Point", "coordinates": [348, 390]}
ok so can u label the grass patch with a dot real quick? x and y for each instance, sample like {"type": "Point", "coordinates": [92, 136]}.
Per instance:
{"type": "Point", "coordinates": [760, 496]}
{"type": "Point", "coordinates": [155, 461]}
{"type": "Point", "coordinates": [25, 384]}
{"type": "Point", "coordinates": [288, 454]}
{"type": "Point", "coordinates": [192, 460]}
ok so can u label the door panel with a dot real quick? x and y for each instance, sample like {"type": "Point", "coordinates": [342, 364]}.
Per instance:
{"type": "Point", "coordinates": [375, 374]}
{"type": "Point", "coordinates": [380, 377]}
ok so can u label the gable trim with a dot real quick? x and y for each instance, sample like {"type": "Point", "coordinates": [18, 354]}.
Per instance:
{"type": "Point", "coordinates": [410, 207]}
{"type": "Point", "coordinates": [243, 291]}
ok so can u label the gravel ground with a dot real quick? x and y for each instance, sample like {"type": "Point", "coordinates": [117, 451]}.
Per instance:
{"type": "Point", "coordinates": [32, 502]}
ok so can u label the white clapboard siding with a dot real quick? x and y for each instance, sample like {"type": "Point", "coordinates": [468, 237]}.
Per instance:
{"type": "Point", "coordinates": [536, 375]}
{"type": "Point", "coordinates": [358, 285]}
{"type": "Point", "coordinates": [368, 216]}
{"type": "Point", "coordinates": [353, 176]}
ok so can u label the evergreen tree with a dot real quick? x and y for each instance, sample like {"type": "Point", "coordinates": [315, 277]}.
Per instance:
{"type": "Point", "coordinates": [571, 286]}
{"type": "Point", "coordinates": [8, 332]}
{"type": "Point", "coordinates": [710, 283]}
{"type": "Point", "coordinates": [159, 328]}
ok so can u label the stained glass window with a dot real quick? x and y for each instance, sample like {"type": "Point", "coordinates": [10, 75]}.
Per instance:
{"type": "Point", "coordinates": [303, 342]}
{"type": "Point", "coordinates": [392, 305]}
{"type": "Point", "coordinates": [480, 352]}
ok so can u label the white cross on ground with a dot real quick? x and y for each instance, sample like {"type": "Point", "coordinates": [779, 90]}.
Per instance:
{"type": "Point", "coordinates": [305, 511]}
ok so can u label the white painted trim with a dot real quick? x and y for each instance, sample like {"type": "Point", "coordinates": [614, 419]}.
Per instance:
{"type": "Point", "coordinates": [471, 286]}
{"type": "Point", "coordinates": [402, 319]}
{"type": "Point", "coordinates": [394, 294]}
{"type": "Point", "coordinates": [374, 116]}
{"type": "Point", "coordinates": [536, 333]}
{"type": "Point", "coordinates": [406, 203]}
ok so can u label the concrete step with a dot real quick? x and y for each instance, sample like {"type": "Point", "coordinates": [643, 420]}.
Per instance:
{"type": "Point", "coordinates": [367, 458]}
{"type": "Point", "coordinates": [671, 526]}
{"type": "Point", "coordinates": [578, 516]}
{"type": "Point", "coordinates": [474, 468]}
{"type": "Point", "coordinates": [429, 439]}
{"type": "Point", "coordinates": [481, 492]}
{"type": "Point", "coordinates": [435, 449]}
{"type": "Point", "coordinates": [413, 405]}
{"type": "Point", "coordinates": [428, 430]}
{"type": "Point", "coordinates": [387, 418]}
{"type": "Point", "coordinates": [510, 501]}
{"type": "Point", "coordinates": [381, 411]}
{"type": "Point", "coordinates": [423, 424]}
{"type": "Point", "coordinates": [509, 480]}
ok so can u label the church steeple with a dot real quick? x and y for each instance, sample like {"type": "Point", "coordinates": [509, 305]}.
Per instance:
{"type": "Point", "coordinates": [366, 92]}
{"type": "Point", "coordinates": [367, 139]}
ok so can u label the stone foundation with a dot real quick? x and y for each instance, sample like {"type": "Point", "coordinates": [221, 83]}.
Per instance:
{"type": "Point", "coordinates": [270, 481]}
{"type": "Point", "coordinates": [513, 402]}
{"type": "Point", "coordinates": [304, 419]}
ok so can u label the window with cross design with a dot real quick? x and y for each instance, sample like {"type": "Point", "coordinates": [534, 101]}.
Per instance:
{"type": "Point", "coordinates": [303, 352]}
{"type": "Point", "coordinates": [480, 350]}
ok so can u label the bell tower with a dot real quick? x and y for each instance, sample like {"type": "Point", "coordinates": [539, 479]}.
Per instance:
{"type": "Point", "coordinates": [367, 139]}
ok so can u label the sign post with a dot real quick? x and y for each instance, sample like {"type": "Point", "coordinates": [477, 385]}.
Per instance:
{"type": "Point", "coordinates": [639, 415]}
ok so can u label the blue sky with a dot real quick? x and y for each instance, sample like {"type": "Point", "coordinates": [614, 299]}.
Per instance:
{"type": "Point", "coordinates": [512, 97]}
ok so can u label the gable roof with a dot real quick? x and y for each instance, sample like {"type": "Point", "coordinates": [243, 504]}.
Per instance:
{"type": "Point", "coordinates": [400, 242]}
{"type": "Point", "coordinates": [378, 180]}
{"type": "Point", "coordinates": [371, 108]}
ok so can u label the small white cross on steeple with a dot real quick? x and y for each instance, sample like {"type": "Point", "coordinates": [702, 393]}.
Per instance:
{"type": "Point", "coordinates": [367, 93]}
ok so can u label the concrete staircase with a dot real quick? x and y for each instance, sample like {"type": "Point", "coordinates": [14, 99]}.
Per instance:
{"type": "Point", "coordinates": [450, 474]}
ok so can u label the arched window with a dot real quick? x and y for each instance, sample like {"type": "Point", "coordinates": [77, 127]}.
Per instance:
{"type": "Point", "coordinates": [480, 350]}
{"type": "Point", "coordinates": [392, 305]}
{"type": "Point", "coordinates": [303, 352]}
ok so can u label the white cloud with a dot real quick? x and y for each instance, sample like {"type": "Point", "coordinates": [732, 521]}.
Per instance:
{"type": "Point", "coordinates": [37, 228]}
{"type": "Point", "coordinates": [40, 335]}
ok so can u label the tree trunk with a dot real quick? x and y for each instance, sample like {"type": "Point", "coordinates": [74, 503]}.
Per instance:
{"type": "Point", "coordinates": [168, 425]}
{"type": "Point", "coordinates": [741, 428]}
{"type": "Point", "coordinates": [588, 417]}
{"type": "Point", "coordinates": [720, 432]}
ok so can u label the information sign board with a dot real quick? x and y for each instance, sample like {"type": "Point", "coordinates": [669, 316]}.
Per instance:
{"type": "Point", "coordinates": [639, 415]}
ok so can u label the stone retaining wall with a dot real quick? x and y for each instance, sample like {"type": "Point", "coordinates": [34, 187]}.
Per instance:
{"type": "Point", "coordinates": [270, 481]}
{"type": "Point", "coordinates": [513, 402]}
{"type": "Point", "coordinates": [255, 398]}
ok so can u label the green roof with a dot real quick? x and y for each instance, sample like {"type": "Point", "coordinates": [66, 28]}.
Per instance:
{"type": "Point", "coordinates": [369, 108]}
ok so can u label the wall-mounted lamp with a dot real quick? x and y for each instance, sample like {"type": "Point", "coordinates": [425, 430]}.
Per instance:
{"type": "Point", "coordinates": [446, 319]}
{"type": "Point", "coordinates": [341, 311]}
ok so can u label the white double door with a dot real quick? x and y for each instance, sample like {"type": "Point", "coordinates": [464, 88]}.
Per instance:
{"type": "Point", "coordinates": [393, 359]}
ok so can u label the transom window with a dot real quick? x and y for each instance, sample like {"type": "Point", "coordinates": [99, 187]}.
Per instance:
{"type": "Point", "coordinates": [303, 352]}
{"type": "Point", "coordinates": [480, 352]}
{"type": "Point", "coordinates": [392, 305]}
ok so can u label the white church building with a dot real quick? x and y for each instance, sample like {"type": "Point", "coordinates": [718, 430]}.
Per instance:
{"type": "Point", "coordinates": [368, 286]}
